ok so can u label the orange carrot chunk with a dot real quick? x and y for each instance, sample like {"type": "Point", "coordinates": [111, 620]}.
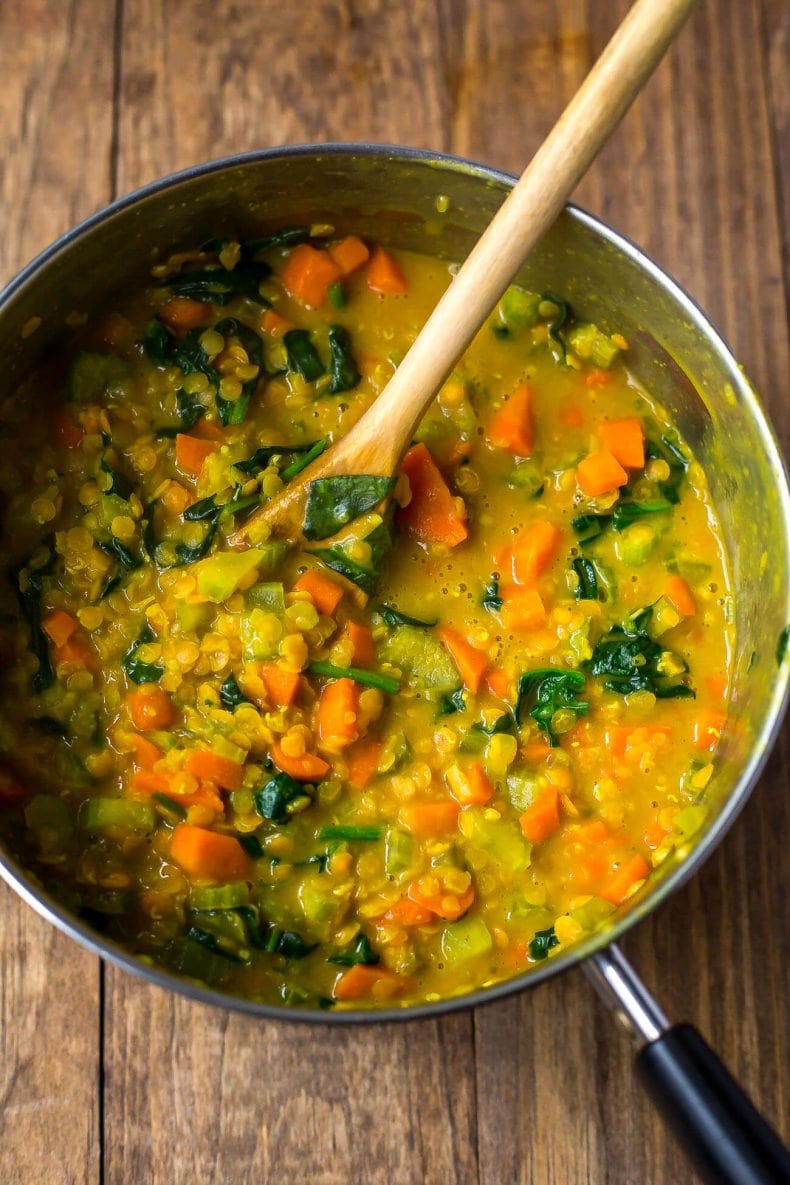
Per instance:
{"type": "Point", "coordinates": [498, 682]}
{"type": "Point", "coordinates": [542, 817]}
{"type": "Point", "coordinates": [326, 593]}
{"type": "Point", "coordinates": [600, 473]}
{"type": "Point", "coordinates": [282, 686]}
{"type": "Point", "coordinates": [67, 433]}
{"type": "Point", "coordinates": [349, 254]}
{"type": "Point", "coordinates": [625, 440]}
{"type": "Point", "coordinates": [181, 313]}
{"type": "Point", "coordinates": [470, 661]}
{"type": "Point", "coordinates": [616, 886]}
{"type": "Point", "coordinates": [434, 514]}
{"type": "Point", "coordinates": [338, 708]}
{"type": "Point", "coordinates": [308, 272]}
{"type": "Point", "coordinates": [429, 819]}
{"type": "Point", "coordinates": [308, 767]}
{"type": "Point", "coordinates": [191, 453]}
{"type": "Point", "coordinates": [207, 855]}
{"type": "Point", "coordinates": [212, 767]}
{"type": "Point", "coordinates": [533, 550]}
{"type": "Point", "coordinates": [146, 753]}
{"type": "Point", "coordinates": [363, 761]}
{"type": "Point", "coordinates": [470, 786]}
{"type": "Point", "coordinates": [681, 596]}
{"type": "Point", "coordinates": [450, 906]}
{"type": "Point", "coordinates": [150, 708]}
{"type": "Point", "coordinates": [275, 324]}
{"type": "Point", "coordinates": [59, 626]}
{"type": "Point", "coordinates": [384, 274]}
{"type": "Point", "coordinates": [362, 981]}
{"type": "Point", "coordinates": [406, 912]}
{"type": "Point", "coordinates": [522, 609]}
{"type": "Point", "coordinates": [363, 651]}
{"type": "Point", "coordinates": [511, 427]}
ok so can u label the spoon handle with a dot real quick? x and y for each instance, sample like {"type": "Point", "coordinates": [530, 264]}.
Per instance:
{"type": "Point", "coordinates": [540, 194]}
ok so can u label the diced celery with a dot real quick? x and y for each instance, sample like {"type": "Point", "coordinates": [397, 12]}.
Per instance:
{"type": "Point", "coordinates": [527, 476]}
{"type": "Point", "coordinates": [98, 813]}
{"type": "Point", "coordinates": [474, 740]}
{"type": "Point", "coordinates": [663, 618]}
{"type": "Point", "coordinates": [319, 904]}
{"type": "Point", "coordinates": [190, 959]}
{"type": "Point", "coordinates": [269, 596]}
{"type": "Point", "coordinates": [226, 926]}
{"type": "Point", "coordinates": [108, 507]}
{"type": "Point", "coordinates": [590, 915]}
{"type": "Point", "coordinates": [466, 939]}
{"type": "Point", "coordinates": [521, 788]}
{"type": "Point", "coordinates": [50, 820]}
{"type": "Point", "coordinates": [425, 663]}
{"type": "Point", "coordinates": [588, 342]}
{"type": "Point", "coordinates": [635, 543]}
{"type": "Point", "coordinates": [519, 309]}
{"type": "Point", "coordinates": [272, 553]}
{"type": "Point", "coordinates": [191, 618]}
{"type": "Point", "coordinates": [224, 748]}
{"type": "Point", "coordinates": [500, 839]}
{"type": "Point", "coordinates": [260, 634]}
{"type": "Point", "coordinates": [398, 852]}
{"type": "Point", "coordinates": [219, 576]}
{"type": "Point", "coordinates": [94, 377]}
{"type": "Point", "coordinates": [688, 821]}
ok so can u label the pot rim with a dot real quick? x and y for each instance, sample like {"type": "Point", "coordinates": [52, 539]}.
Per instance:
{"type": "Point", "coordinates": [24, 882]}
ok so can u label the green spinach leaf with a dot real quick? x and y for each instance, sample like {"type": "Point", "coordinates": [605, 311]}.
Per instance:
{"type": "Point", "coordinates": [332, 502]}
{"type": "Point", "coordinates": [136, 670]}
{"type": "Point", "coordinates": [544, 692]}
{"type": "Point", "coordinates": [342, 366]}
{"type": "Point", "coordinates": [302, 355]}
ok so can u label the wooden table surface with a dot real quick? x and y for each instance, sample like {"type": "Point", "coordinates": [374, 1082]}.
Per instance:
{"type": "Point", "coordinates": [105, 1079]}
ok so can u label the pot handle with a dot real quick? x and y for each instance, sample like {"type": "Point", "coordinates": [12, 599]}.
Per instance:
{"type": "Point", "coordinates": [718, 1127]}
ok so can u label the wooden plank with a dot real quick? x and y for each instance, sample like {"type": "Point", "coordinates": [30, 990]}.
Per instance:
{"type": "Point", "coordinates": [688, 177]}
{"type": "Point", "coordinates": [191, 1093]}
{"type": "Point", "coordinates": [55, 115]}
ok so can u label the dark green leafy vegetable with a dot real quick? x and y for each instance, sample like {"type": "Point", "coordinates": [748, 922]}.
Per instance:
{"type": "Point", "coordinates": [781, 645]}
{"type": "Point", "coordinates": [629, 660]}
{"type": "Point", "coordinates": [590, 526]}
{"type": "Point", "coordinates": [113, 547]}
{"type": "Point", "coordinates": [289, 944]}
{"type": "Point", "coordinates": [332, 502]}
{"type": "Point", "coordinates": [178, 555]}
{"type": "Point", "coordinates": [189, 410]}
{"type": "Point", "coordinates": [542, 943]}
{"type": "Point", "coordinates": [368, 678]}
{"type": "Point", "coordinates": [626, 513]}
{"type": "Point", "coordinates": [393, 617]}
{"type": "Point", "coordinates": [590, 587]}
{"type": "Point", "coordinates": [137, 671]}
{"type": "Point", "coordinates": [302, 355]}
{"type": "Point", "coordinates": [667, 449]}
{"type": "Point", "coordinates": [50, 726]}
{"type": "Point", "coordinates": [351, 832]}
{"type": "Point", "coordinates": [163, 348]}
{"type": "Point", "coordinates": [358, 951]}
{"type": "Point", "coordinates": [231, 695]}
{"type": "Point", "coordinates": [212, 943]}
{"type": "Point", "coordinates": [168, 805]}
{"type": "Point", "coordinates": [251, 844]}
{"type": "Point", "coordinates": [262, 456]}
{"type": "Point", "coordinates": [452, 703]}
{"type": "Point", "coordinates": [279, 797]}
{"type": "Point", "coordinates": [28, 593]}
{"type": "Point", "coordinates": [120, 484]}
{"type": "Point", "coordinates": [343, 369]}
{"type": "Point", "coordinates": [544, 692]}
{"type": "Point", "coordinates": [235, 411]}
{"type": "Point", "coordinates": [306, 459]}
{"type": "Point", "coordinates": [363, 575]}
{"type": "Point", "coordinates": [491, 598]}
{"type": "Point", "coordinates": [219, 286]}
{"type": "Point", "coordinates": [560, 317]}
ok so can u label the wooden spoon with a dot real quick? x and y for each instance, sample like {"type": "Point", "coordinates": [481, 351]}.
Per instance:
{"type": "Point", "coordinates": [378, 440]}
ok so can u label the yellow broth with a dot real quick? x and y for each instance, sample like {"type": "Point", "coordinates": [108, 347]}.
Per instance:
{"type": "Point", "coordinates": [172, 767]}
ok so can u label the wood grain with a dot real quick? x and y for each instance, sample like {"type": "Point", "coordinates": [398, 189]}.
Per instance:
{"type": "Point", "coordinates": [55, 153]}
{"type": "Point", "coordinates": [539, 1088]}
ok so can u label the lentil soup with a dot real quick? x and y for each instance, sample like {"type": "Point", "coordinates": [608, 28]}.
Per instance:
{"type": "Point", "coordinates": [435, 742]}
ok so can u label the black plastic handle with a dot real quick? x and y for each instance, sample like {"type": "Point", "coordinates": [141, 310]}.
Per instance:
{"type": "Point", "coordinates": [724, 1136]}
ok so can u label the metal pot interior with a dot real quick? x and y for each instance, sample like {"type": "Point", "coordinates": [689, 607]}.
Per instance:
{"type": "Point", "coordinates": [390, 194]}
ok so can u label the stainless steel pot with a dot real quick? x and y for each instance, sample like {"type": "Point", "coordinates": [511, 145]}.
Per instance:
{"type": "Point", "coordinates": [390, 194]}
